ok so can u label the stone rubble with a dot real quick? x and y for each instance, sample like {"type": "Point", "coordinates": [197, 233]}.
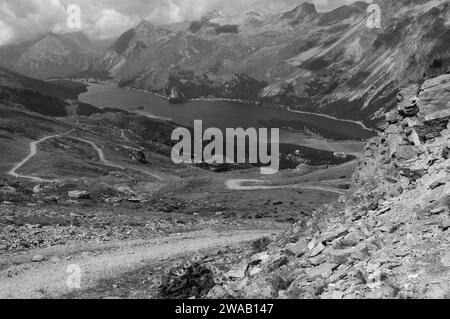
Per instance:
{"type": "Point", "coordinates": [390, 238]}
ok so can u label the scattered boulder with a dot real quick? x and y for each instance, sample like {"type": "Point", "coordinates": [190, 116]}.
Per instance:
{"type": "Point", "coordinates": [113, 200]}
{"type": "Point", "coordinates": [38, 258]}
{"type": "Point", "coordinates": [126, 190]}
{"type": "Point", "coordinates": [135, 199]}
{"type": "Point", "coordinates": [79, 194]}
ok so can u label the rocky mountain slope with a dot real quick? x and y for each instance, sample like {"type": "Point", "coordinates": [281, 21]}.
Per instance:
{"type": "Point", "coordinates": [390, 238]}
{"type": "Point", "coordinates": [52, 55]}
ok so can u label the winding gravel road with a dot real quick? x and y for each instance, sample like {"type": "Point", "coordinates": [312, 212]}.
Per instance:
{"type": "Point", "coordinates": [101, 155]}
{"type": "Point", "coordinates": [33, 151]}
{"type": "Point", "coordinates": [31, 280]}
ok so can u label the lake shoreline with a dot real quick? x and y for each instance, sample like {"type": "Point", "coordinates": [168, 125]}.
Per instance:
{"type": "Point", "coordinates": [215, 99]}
{"type": "Point", "coordinates": [163, 110]}
{"type": "Point", "coordinates": [283, 107]}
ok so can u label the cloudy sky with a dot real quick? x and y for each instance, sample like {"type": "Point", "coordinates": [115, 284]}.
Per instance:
{"type": "Point", "coordinates": [24, 19]}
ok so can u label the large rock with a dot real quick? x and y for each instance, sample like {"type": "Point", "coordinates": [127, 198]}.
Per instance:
{"type": "Point", "coordinates": [434, 99]}
{"type": "Point", "coordinates": [316, 250]}
{"type": "Point", "coordinates": [407, 106]}
{"type": "Point", "coordinates": [407, 152]}
{"type": "Point", "coordinates": [259, 288]}
{"type": "Point", "coordinates": [38, 258]}
{"type": "Point", "coordinates": [299, 248]}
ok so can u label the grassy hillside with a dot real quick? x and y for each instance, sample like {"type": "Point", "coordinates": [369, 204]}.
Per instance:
{"type": "Point", "coordinates": [60, 89]}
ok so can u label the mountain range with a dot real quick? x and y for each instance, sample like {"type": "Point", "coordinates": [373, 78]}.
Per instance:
{"type": "Point", "coordinates": [324, 62]}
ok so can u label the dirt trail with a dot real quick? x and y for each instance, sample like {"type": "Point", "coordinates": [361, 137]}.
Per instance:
{"type": "Point", "coordinates": [259, 184]}
{"type": "Point", "coordinates": [101, 155]}
{"type": "Point", "coordinates": [236, 184]}
{"type": "Point", "coordinates": [49, 279]}
{"type": "Point", "coordinates": [33, 151]}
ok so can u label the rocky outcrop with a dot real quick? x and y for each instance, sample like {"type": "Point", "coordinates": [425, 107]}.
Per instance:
{"type": "Point", "coordinates": [51, 55]}
{"type": "Point", "coordinates": [390, 238]}
{"type": "Point", "coordinates": [185, 84]}
{"type": "Point", "coordinates": [283, 94]}
{"type": "Point", "coordinates": [240, 86]}
{"type": "Point", "coordinates": [304, 11]}
{"type": "Point", "coordinates": [176, 96]}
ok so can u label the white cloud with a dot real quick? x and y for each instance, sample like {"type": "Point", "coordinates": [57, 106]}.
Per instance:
{"type": "Point", "coordinates": [110, 23]}
{"type": "Point", "coordinates": [174, 12]}
{"type": "Point", "coordinates": [6, 33]}
{"type": "Point", "coordinates": [24, 19]}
